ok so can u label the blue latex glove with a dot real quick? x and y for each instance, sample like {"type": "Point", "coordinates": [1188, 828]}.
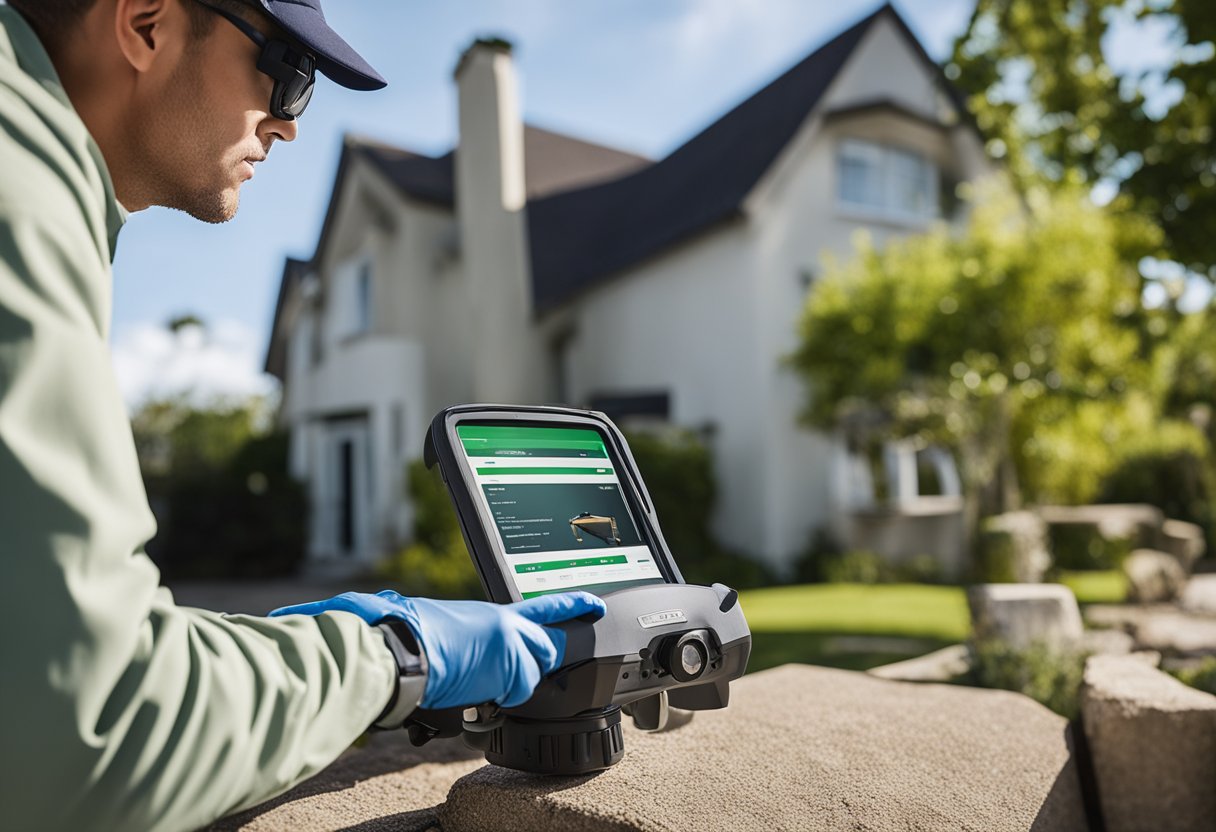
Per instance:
{"type": "Point", "coordinates": [476, 651]}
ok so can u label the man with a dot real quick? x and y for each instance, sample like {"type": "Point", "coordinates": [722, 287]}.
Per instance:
{"type": "Point", "coordinates": [122, 710]}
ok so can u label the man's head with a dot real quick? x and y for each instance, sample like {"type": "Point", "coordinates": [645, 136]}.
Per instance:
{"type": "Point", "coordinates": [184, 97]}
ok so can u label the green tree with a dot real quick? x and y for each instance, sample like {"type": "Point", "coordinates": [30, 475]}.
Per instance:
{"type": "Point", "coordinates": [217, 480]}
{"type": "Point", "coordinates": [1053, 109]}
{"type": "Point", "coordinates": [1011, 342]}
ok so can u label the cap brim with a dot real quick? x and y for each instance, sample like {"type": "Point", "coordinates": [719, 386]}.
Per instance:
{"type": "Point", "coordinates": [335, 57]}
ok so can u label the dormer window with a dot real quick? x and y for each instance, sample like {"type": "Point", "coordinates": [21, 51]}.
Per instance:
{"type": "Point", "coordinates": [885, 182]}
{"type": "Point", "coordinates": [353, 298]}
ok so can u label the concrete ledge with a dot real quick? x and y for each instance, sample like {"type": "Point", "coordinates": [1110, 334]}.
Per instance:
{"type": "Point", "coordinates": [1153, 744]}
{"type": "Point", "coordinates": [386, 785]}
{"type": "Point", "coordinates": [809, 748]}
{"type": "Point", "coordinates": [799, 748]}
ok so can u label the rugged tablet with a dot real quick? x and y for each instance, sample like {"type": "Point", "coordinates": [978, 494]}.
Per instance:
{"type": "Point", "coordinates": [550, 500]}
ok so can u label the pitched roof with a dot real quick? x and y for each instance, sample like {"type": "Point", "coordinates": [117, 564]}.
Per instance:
{"type": "Point", "coordinates": [582, 237]}
{"type": "Point", "coordinates": [553, 162]}
{"type": "Point", "coordinates": [276, 351]}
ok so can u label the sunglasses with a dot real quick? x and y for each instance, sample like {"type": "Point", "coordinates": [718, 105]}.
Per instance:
{"type": "Point", "coordinates": [293, 71]}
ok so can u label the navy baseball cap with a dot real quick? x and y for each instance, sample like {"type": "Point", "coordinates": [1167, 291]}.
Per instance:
{"type": "Point", "coordinates": [304, 21]}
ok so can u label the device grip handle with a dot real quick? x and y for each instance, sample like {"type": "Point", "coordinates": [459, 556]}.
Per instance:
{"type": "Point", "coordinates": [424, 724]}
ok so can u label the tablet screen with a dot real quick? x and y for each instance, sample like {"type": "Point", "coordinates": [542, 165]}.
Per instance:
{"type": "Point", "coordinates": [559, 512]}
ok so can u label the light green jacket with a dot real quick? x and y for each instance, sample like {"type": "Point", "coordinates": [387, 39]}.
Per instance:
{"type": "Point", "coordinates": [120, 710]}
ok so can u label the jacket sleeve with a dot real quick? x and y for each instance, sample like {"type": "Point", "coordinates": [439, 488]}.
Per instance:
{"type": "Point", "coordinates": [119, 709]}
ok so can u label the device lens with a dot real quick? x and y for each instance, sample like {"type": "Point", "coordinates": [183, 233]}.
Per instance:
{"type": "Point", "coordinates": [691, 659]}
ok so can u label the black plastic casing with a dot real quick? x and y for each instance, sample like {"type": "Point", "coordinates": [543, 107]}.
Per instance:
{"type": "Point", "coordinates": [620, 658]}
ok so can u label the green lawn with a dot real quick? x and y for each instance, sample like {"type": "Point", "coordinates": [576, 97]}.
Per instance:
{"type": "Point", "coordinates": [855, 626]}
{"type": "Point", "coordinates": [1097, 587]}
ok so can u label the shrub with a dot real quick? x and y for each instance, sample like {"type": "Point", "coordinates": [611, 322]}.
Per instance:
{"type": "Point", "coordinates": [678, 471]}
{"type": "Point", "coordinates": [1171, 468]}
{"type": "Point", "coordinates": [1082, 546]}
{"type": "Point", "coordinates": [853, 568]}
{"type": "Point", "coordinates": [824, 565]}
{"type": "Point", "coordinates": [218, 485]}
{"type": "Point", "coordinates": [1201, 676]}
{"type": "Point", "coordinates": [1050, 677]}
{"type": "Point", "coordinates": [437, 564]}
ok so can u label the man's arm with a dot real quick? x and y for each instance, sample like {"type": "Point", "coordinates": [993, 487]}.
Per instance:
{"type": "Point", "coordinates": [121, 710]}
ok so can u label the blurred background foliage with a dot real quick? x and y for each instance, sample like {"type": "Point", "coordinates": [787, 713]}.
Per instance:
{"type": "Point", "coordinates": [217, 482]}
{"type": "Point", "coordinates": [436, 563]}
{"type": "Point", "coordinates": [1054, 110]}
{"type": "Point", "coordinates": [1025, 342]}
{"type": "Point", "coordinates": [1021, 342]}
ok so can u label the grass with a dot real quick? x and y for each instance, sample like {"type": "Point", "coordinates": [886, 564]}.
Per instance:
{"type": "Point", "coordinates": [821, 623]}
{"type": "Point", "coordinates": [1108, 586]}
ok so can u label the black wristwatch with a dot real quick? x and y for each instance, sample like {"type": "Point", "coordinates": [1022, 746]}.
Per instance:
{"type": "Point", "coordinates": [411, 673]}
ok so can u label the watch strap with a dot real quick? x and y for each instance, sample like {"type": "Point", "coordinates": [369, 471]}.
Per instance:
{"type": "Point", "coordinates": [411, 673]}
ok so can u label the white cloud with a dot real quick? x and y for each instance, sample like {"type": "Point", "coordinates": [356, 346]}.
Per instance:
{"type": "Point", "coordinates": [223, 361]}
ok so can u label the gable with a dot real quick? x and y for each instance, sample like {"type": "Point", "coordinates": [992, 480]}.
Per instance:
{"type": "Point", "coordinates": [581, 238]}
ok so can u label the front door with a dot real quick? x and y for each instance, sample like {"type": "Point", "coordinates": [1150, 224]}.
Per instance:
{"type": "Point", "coordinates": [348, 492]}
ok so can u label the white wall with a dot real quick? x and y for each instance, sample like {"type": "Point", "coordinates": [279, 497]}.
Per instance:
{"type": "Point", "coordinates": [798, 220]}
{"type": "Point", "coordinates": [687, 323]}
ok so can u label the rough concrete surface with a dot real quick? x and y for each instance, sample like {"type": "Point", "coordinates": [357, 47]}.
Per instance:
{"type": "Point", "coordinates": [799, 748]}
{"type": "Point", "coordinates": [938, 666]}
{"type": "Point", "coordinates": [805, 748]}
{"type": "Point", "coordinates": [1024, 614]}
{"type": "Point", "coordinates": [386, 785]}
{"type": "Point", "coordinates": [1153, 745]}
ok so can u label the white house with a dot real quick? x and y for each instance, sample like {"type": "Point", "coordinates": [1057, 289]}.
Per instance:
{"type": "Point", "coordinates": [526, 266]}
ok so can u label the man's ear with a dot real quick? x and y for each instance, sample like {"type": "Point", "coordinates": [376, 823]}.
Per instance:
{"type": "Point", "coordinates": [145, 28]}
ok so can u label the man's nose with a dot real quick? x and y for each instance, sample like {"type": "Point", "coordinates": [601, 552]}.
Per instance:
{"type": "Point", "coordinates": [281, 130]}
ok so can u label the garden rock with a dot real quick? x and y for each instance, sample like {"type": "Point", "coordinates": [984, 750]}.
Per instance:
{"type": "Point", "coordinates": [1014, 547]}
{"type": "Point", "coordinates": [1107, 643]}
{"type": "Point", "coordinates": [1100, 536]}
{"type": "Point", "coordinates": [1184, 541]}
{"type": "Point", "coordinates": [1176, 633]}
{"type": "Point", "coordinates": [938, 666]}
{"type": "Point", "coordinates": [1200, 595]}
{"type": "Point", "coordinates": [1153, 577]}
{"type": "Point", "coordinates": [1022, 615]}
{"type": "Point", "coordinates": [1152, 740]}
{"type": "Point", "coordinates": [809, 748]}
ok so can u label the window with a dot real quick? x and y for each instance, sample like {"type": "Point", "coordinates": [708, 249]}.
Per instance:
{"type": "Point", "coordinates": [887, 181]}
{"type": "Point", "coordinates": [363, 297]}
{"type": "Point", "coordinates": [351, 310]}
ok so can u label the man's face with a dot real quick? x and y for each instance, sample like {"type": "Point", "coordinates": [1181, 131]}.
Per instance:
{"type": "Point", "coordinates": [210, 125]}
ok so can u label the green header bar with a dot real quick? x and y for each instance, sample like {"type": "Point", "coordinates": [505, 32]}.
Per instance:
{"type": "Point", "coordinates": [532, 450]}
{"type": "Point", "coordinates": [527, 435]}
{"type": "Point", "coordinates": [550, 565]}
{"type": "Point", "coordinates": [512, 471]}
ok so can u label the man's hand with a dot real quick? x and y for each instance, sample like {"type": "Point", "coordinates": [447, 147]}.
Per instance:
{"type": "Point", "coordinates": [476, 651]}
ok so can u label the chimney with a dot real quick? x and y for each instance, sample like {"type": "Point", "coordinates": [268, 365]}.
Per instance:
{"type": "Point", "coordinates": [491, 157]}
{"type": "Point", "coordinates": [490, 202]}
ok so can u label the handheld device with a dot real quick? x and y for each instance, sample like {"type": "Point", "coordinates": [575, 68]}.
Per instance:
{"type": "Point", "coordinates": [549, 500]}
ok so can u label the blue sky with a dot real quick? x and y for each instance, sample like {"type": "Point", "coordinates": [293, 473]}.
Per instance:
{"type": "Point", "coordinates": [642, 75]}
